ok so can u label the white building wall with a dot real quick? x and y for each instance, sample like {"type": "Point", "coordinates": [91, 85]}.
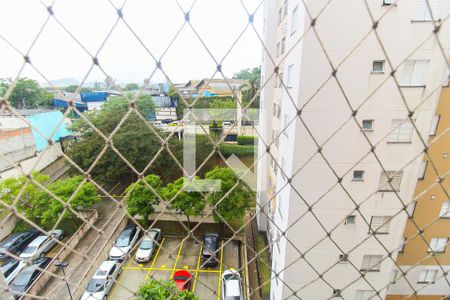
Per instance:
{"type": "Point", "coordinates": [342, 26]}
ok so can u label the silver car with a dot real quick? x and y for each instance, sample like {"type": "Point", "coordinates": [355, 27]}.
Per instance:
{"type": "Point", "coordinates": [148, 245]}
{"type": "Point", "coordinates": [41, 245]}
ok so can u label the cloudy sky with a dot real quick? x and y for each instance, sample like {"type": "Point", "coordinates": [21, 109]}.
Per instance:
{"type": "Point", "coordinates": [156, 22]}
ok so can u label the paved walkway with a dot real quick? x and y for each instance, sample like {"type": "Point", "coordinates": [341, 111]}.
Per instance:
{"type": "Point", "coordinates": [252, 267]}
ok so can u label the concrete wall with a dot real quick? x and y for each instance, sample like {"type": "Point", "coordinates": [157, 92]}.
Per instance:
{"type": "Point", "coordinates": [15, 145]}
{"type": "Point", "coordinates": [6, 226]}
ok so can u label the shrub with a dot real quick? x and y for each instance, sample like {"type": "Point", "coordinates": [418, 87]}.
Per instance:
{"type": "Point", "coordinates": [246, 140]}
{"type": "Point", "coordinates": [238, 150]}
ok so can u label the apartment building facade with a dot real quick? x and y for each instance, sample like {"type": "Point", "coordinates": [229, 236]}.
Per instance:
{"type": "Point", "coordinates": [426, 258]}
{"type": "Point", "coordinates": [341, 154]}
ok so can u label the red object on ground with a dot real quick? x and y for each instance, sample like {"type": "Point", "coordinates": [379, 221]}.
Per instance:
{"type": "Point", "coordinates": [182, 279]}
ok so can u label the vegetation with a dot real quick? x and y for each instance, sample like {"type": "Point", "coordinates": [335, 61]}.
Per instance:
{"type": "Point", "coordinates": [141, 198]}
{"type": "Point", "coordinates": [134, 140]}
{"type": "Point", "coordinates": [238, 150]}
{"type": "Point", "coordinates": [184, 198]}
{"type": "Point", "coordinates": [131, 87]}
{"type": "Point", "coordinates": [246, 140]}
{"type": "Point", "coordinates": [236, 195]}
{"type": "Point", "coordinates": [73, 88]}
{"type": "Point", "coordinates": [161, 290]}
{"type": "Point", "coordinates": [41, 207]}
{"type": "Point", "coordinates": [27, 93]}
{"type": "Point", "coordinates": [264, 265]}
{"type": "Point", "coordinates": [250, 89]}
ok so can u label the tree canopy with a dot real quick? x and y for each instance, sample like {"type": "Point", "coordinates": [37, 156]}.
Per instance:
{"type": "Point", "coordinates": [235, 200]}
{"type": "Point", "coordinates": [135, 140]}
{"type": "Point", "coordinates": [27, 93]}
{"type": "Point", "coordinates": [131, 87]}
{"type": "Point", "coordinates": [73, 88]}
{"type": "Point", "coordinates": [141, 198]}
{"type": "Point", "coordinates": [253, 83]}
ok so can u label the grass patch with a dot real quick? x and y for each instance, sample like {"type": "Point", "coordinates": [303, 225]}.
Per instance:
{"type": "Point", "coordinates": [263, 264]}
{"type": "Point", "coordinates": [238, 150]}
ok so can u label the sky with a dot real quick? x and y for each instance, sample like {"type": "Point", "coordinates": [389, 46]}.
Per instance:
{"type": "Point", "coordinates": [125, 58]}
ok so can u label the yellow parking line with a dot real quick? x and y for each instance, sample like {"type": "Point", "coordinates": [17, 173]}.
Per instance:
{"type": "Point", "coordinates": [117, 283]}
{"type": "Point", "coordinates": [220, 272]}
{"type": "Point", "coordinates": [176, 260]}
{"type": "Point", "coordinates": [57, 246]}
{"type": "Point", "coordinates": [198, 266]}
{"type": "Point", "coordinates": [113, 188]}
{"type": "Point", "coordinates": [169, 269]}
{"type": "Point", "coordinates": [154, 259]}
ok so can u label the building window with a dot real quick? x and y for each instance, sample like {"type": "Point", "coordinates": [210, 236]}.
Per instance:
{"type": "Point", "coordinates": [389, 2]}
{"type": "Point", "coordinates": [276, 139]}
{"type": "Point", "coordinates": [289, 76]}
{"type": "Point", "coordinates": [283, 167]}
{"type": "Point", "coordinates": [427, 276]}
{"type": "Point", "coordinates": [278, 49]}
{"type": "Point", "coordinates": [423, 11]}
{"type": "Point", "coordinates": [350, 219]}
{"type": "Point", "coordinates": [367, 125]}
{"type": "Point", "coordinates": [283, 45]}
{"type": "Point", "coordinates": [358, 175]}
{"type": "Point", "coordinates": [371, 263]}
{"type": "Point", "coordinates": [422, 169]}
{"type": "Point", "coordinates": [280, 83]}
{"type": "Point", "coordinates": [401, 131]}
{"type": "Point", "coordinates": [394, 276]}
{"type": "Point", "coordinates": [402, 246]}
{"type": "Point", "coordinates": [336, 293]}
{"type": "Point", "coordinates": [279, 111]}
{"type": "Point", "coordinates": [364, 294]}
{"type": "Point", "coordinates": [445, 210]}
{"type": "Point", "coordinates": [380, 224]}
{"type": "Point", "coordinates": [285, 126]}
{"type": "Point", "coordinates": [378, 66]}
{"type": "Point", "coordinates": [280, 15]}
{"type": "Point", "coordinates": [410, 208]}
{"type": "Point", "coordinates": [274, 109]}
{"type": "Point", "coordinates": [434, 124]}
{"type": "Point", "coordinates": [343, 258]}
{"type": "Point", "coordinates": [414, 72]}
{"type": "Point", "coordinates": [294, 20]}
{"type": "Point", "coordinates": [394, 177]}
{"type": "Point", "coordinates": [438, 245]}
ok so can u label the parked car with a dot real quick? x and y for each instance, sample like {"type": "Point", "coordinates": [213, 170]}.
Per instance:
{"type": "Point", "coordinates": [27, 276]}
{"type": "Point", "coordinates": [124, 242]}
{"type": "Point", "coordinates": [11, 268]}
{"type": "Point", "coordinates": [232, 285]}
{"type": "Point", "coordinates": [16, 242]}
{"type": "Point", "coordinates": [210, 255]}
{"type": "Point", "coordinates": [148, 245]}
{"type": "Point", "coordinates": [102, 281]}
{"type": "Point", "coordinates": [42, 244]}
{"type": "Point", "coordinates": [166, 121]}
{"type": "Point", "coordinates": [226, 124]}
{"type": "Point", "coordinates": [183, 279]}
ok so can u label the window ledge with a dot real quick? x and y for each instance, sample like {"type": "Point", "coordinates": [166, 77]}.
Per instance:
{"type": "Point", "coordinates": [357, 180]}
{"type": "Point", "coordinates": [425, 282]}
{"type": "Point", "coordinates": [444, 217]}
{"type": "Point", "coordinates": [424, 21]}
{"type": "Point", "coordinates": [367, 130]}
{"type": "Point", "coordinates": [375, 72]}
{"type": "Point", "coordinates": [413, 86]}
{"type": "Point", "coordinates": [367, 271]}
{"type": "Point", "coordinates": [406, 142]}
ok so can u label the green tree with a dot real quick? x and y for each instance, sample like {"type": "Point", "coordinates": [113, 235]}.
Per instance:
{"type": "Point", "coordinates": [28, 94]}
{"type": "Point", "coordinates": [131, 87]}
{"type": "Point", "coordinates": [232, 207]}
{"type": "Point", "coordinates": [141, 198]}
{"type": "Point", "coordinates": [252, 85]}
{"type": "Point", "coordinates": [189, 203]}
{"type": "Point", "coordinates": [134, 140]}
{"type": "Point", "coordinates": [161, 290]}
{"type": "Point", "coordinates": [48, 209]}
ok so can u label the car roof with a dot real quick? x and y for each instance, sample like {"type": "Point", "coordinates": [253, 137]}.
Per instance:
{"type": "Point", "coordinates": [38, 241]}
{"type": "Point", "coordinates": [105, 267]}
{"type": "Point", "coordinates": [232, 288]}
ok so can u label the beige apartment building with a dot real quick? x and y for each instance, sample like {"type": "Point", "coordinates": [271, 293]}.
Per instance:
{"type": "Point", "coordinates": [431, 212]}
{"type": "Point", "coordinates": [334, 224]}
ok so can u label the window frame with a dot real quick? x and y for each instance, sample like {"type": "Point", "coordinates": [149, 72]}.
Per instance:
{"type": "Point", "coordinates": [367, 120]}
{"type": "Point", "coordinates": [383, 228]}
{"type": "Point", "coordinates": [412, 64]}
{"type": "Point", "coordinates": [289, 76]}
{"type": "Point", "coordinates": [434, 125]}
{"type": "Point", "coordinates": [385, 177]}
{"type": "Point", "coordinates": [356, 178]}
{"type": "Point", "coordinates": [370, 267]}
{"type": "Point", "coordinates": [436, 244]}
{"type": "Point", "coordinates": [373, 71]}
{"type": "Point", "coordinates": [446, 215]}
{"type": "Point", "coordinates": [294, 20]}
{"type": "Point", "coordinates": [422, 170]}
{"type": "Point", "coordinates": [424, 274]}
{"type": "Point", "coordinates": [350, 217]}
{"type": "Point", "coordinates": [396, 136]}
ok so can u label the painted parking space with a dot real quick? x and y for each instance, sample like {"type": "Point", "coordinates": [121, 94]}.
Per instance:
{"type": "Point", "coordinates": [175, 254]}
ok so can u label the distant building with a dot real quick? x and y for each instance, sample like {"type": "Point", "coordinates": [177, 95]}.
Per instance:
{"type": "Point", "coordinates": [27, 146]}
{"type": "Point", "coordinates": [94, 100]}
{"type": "Point", "coordinates": [209, 87]}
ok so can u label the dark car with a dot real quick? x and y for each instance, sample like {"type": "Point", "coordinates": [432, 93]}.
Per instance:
{"type": "Point", "coordinates": [16, 243]}
{"type": "Point", "coordinates": [27, 276]}
{"type": "Point", "coordinates": [210, 255]}
{"type": "Point", "coordinates": [166, 121]}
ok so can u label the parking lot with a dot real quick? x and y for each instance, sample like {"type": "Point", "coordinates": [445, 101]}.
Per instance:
{"type": "Point", "coordinates": [175, 254]}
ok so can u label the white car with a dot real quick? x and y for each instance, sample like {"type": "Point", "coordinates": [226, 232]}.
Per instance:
{"type": "Point", "coordinates": [226, 124]}
{"type": "Point", "coordinates": [41, 245]}
{"type": "Point", "coordinates": [232, 285]}
{"type": "Point", "coordinates": [11, 268]}
{"type": "Point", "coordinates": [148, 245]}
{"type": "Point", "coordinates": [124, 242]}
{"type": "Point", "coordinates": [102, 281]}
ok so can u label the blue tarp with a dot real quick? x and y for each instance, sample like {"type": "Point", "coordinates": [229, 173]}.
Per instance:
{"type": "Point", "coordinates": [94, 96]}
{"type": "Point", "coordinates": [63, 104]}
{"type": "Point", "coordinates": [46, 123]}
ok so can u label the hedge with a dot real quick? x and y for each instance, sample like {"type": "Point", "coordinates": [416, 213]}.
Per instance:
{"type": "Point", "coordinates": [238, 150]}
{"type": "Point", "coordinates": [246, 140]}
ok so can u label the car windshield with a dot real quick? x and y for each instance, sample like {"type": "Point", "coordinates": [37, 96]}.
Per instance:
{"type": "Point", "coordinates": [210, 241]}
{"type": "Point", "coordinates": [8, 242]}
{"type": "Point", "coordinates": [95, 285]}
{"type": "Point", "coordinates": [124, 239]}
{"type": "Point", "coordinates": [23, 278]}
{"type": "Point", "coordinates": [30, 250]}
{"type": "Point", "coordinates": [146, 245]}
{"type": "Point", "coordinates": [231, 277]}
